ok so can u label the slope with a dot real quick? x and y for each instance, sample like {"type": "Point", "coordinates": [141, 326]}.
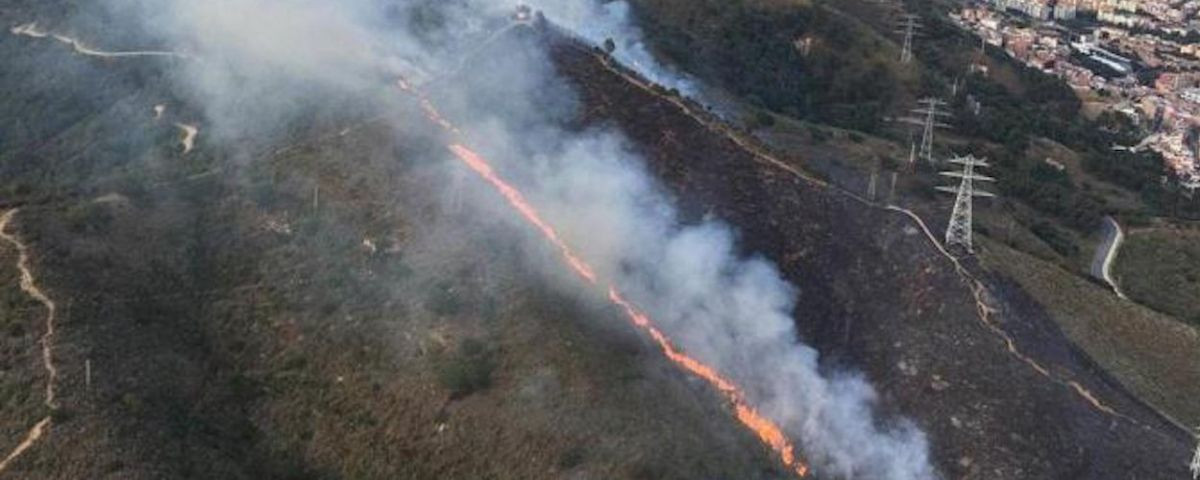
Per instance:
{"type": "Point", "coordinates": [998, 387]}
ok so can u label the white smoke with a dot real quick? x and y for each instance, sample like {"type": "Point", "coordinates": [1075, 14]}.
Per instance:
{"type": "Point", "coordinates": [263, 56]}
{"type": "Point", "coordinates": [595, 22]}
{"type": "Point", "coordinates": [731, 312]}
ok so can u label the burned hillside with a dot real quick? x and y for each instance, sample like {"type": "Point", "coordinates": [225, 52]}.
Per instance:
{"type": "Point", "coordinates": [1000, 388]}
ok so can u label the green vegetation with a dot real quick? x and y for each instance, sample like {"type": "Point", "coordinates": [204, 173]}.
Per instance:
{"type": "Point", "coordinates": [468, 369]}
{"type": "Point", "coordinates": [444, 300]}
{"type": "Point", "coordinates": [571, 458]}
{"type": "Point", "coordinates": [88, 218]}
{"type": "Point", "coordinates": [843, 73]}
{"type": "Point", "coordinates": [847, 77]}
{"type": "Point", "coordinates": [1150, 353]}
{"type": "Point", "coordinates": [1160, 267]}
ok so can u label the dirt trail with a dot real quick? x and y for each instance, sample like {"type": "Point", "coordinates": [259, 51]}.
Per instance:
{"type": "Point", "coordinates": [978, 288]}
{"type": "Point", "coordinates": [29, 286]}
{"type": "Point", "coordinates": [30, 30]}
{"type": "Point", "coordinates": [32, 437]}
{"type": "Point", "coordinates": [85, 50]}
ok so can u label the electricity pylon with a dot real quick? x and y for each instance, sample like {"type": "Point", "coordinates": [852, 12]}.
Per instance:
{"type": "Point", "coordinates": [912, 152]}
{"type": "Point", "coordinates": [909, 27]}
{"type": "Point", "coordinates": [958, 232]}
{"type": "Point", "coordinates": [929, 116]}
{"type": "Point", "coordinates": [892, 191]}
{"type": "Point", "coordinates": [871, 185]}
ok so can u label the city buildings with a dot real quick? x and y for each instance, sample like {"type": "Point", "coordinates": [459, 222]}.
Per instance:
{"type": "Point", "coordinates": [1134, 55]}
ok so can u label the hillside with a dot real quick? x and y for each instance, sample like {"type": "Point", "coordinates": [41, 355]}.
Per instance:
{"type": "Point", "coordinates": [1028, 126]}
{"type": "Point", "coordinates": [217, 319]}
{"type": "Point", "coordinates": [906, 316]}
{"type": "Point", "coordinates": [332, 296]}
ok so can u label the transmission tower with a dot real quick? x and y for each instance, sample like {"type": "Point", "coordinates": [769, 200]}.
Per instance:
{"type": "Point", "coordinates": [892, 191]}
{"type": "Point", "coordinates": [912, 151]}
{"type": "Point", "coordinates": [871, 185]}
{"type": "Point", "coordinates": [930, 116]}
{"type": "Point", "coordinates": [959, 230]}
{"type": "Point", "coordinates": [909, 26]}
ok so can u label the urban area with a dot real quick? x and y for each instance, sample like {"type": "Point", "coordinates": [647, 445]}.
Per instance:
{"type": "Point", "coordinates": [1136, 58]}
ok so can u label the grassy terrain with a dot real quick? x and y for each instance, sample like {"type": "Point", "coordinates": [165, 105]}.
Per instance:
{"type": "Point", "coordinates": [437, 361]}
{"type": "Point", "coordinates": [1160, 267]}
{"type": "Point", "coordinates": [849, 76]}
{"type": "Point", "coordinates": [22, 378]}
{"type": "Point", "coordinates": [267, 312]}
{"type": "Point", "coordinates": [1150, 353]}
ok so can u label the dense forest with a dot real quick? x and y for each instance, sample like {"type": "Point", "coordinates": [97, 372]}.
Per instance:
{"type": "Point", "coordinates": [846, 76]}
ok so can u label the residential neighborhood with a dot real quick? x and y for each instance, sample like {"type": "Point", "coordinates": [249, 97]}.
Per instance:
{"type": "Point", "coordinates": [1137, 58]}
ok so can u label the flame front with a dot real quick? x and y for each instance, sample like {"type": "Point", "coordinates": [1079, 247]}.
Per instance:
{"type": "Point", "coordinates": [514, 197]}
{"type": "Point", "coordinates": [766, 430]}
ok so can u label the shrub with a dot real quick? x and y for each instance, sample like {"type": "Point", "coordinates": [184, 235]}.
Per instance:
{"type": "Point", "coordinates": [442, 300]}
{"type": "Point", "coordinates": [764, 119]}
{"type": "Point", "coordinates": [571, 458]}
{"type": "Point", "coordinates": [468, 370]}
{"type": "Point", "coordinates": [88, 218]}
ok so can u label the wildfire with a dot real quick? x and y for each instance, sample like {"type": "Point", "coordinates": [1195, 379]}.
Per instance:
{"type": "Point", "coordinates": [514, 197]}
{"type": "Point", "coordinates": [766, 430]}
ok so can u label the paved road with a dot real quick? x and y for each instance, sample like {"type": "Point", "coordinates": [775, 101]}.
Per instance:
{"type": "Point", "coordinates": [1106, 252]}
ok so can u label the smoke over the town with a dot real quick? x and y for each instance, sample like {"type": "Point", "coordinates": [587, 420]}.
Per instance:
{"type": "Point", "coordinates": [265, 62]}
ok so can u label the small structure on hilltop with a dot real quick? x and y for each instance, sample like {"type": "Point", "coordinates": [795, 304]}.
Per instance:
{"type": "Point", "coordinates": [523, 14]}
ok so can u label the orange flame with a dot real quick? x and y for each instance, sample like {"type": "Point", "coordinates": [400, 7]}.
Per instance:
{"type": "Point", "coordinates": [514, 197]}
{"type": "Point", "coordinates": [767, 431]}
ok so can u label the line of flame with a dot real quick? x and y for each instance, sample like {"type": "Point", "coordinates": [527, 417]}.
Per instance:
{"type": "Point", "coordinates": [767, 431]}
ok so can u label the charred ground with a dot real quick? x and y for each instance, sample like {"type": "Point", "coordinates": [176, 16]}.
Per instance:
{"type": "Point", "coordinates": [876, 294]}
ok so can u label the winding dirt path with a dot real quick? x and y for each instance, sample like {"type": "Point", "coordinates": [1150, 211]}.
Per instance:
{"type": "Point", "coordinates": [29, 286]}
{"type": "Point", "coordinates": [32, 437]}
{"type": "Point", "coordinates": [978, 290]}
{"type": "Point", "coordinates": [30, 30]}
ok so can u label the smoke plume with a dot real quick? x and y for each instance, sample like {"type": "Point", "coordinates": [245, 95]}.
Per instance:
{"type": "Point", "coordinates": [268, 62]}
